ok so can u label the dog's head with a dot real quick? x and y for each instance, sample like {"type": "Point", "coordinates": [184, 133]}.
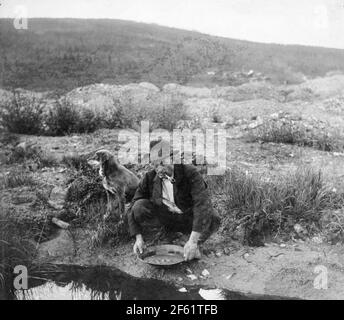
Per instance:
{"type": "Point", "coordinates": [107, 162]}
{"type": "Point", "coordinates": [103, 155]}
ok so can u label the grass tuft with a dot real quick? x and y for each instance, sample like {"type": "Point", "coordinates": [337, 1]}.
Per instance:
{"type": "Point", "coordinates": [16, 248]}
{"type": "Point", "coordinates": [269, 206]}
{"type": "Point", "coordinates": [16, 179]}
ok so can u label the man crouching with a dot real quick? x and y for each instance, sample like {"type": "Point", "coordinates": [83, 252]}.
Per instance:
{"type": "Point", "coordinates": [177, 195]}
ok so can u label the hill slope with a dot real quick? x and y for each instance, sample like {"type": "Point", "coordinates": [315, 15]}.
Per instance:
{"type": "Point", "coordinates": [67, 53]}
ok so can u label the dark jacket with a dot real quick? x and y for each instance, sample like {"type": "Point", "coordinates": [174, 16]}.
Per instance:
{"type": "Point", "coordinates": [190, 193]}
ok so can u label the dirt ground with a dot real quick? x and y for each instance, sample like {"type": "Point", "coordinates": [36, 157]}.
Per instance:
{"type": "Point", "coordinates": [287, 269]}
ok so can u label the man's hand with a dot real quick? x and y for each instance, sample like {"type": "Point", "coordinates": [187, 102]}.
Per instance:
{"type": "Point", "coordinates": [139, 245]}
{"type": "Point", "coordinates": [191, 251]}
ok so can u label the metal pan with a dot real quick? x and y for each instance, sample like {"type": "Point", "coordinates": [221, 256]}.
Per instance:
{"type": "Point", "coordinates": [163, 255]}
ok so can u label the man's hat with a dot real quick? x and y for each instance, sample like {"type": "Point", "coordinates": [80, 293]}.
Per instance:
{"type": "Point", "coordinates": [161, 152]}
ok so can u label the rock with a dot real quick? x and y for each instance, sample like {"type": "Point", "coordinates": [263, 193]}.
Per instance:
{"type": "Point", "coordinates": [22, 145]}
{"type": "Point", "coordinates": [253, 125]}
{"type": "Point", "coordinates": [60, 223]}
{"type": "Point", "coordinates": [283, 245]}
{"type": "Point", "coordinates": [226, 251]}
{"type": "Point", "coordinates": [149, 86]}
{"type": "Point", "coordinates": [212, 294]}
{"type": "Point", "coordinates": [192, 277]}
{"type": "Point", "coordinates": [182, 290]}
{"type": "Point", "coordinates": [338, 154]}
{"type": "Point", "coordinates": [57, 197]}
{"type": "Point", "coordinates": [274, 116]}
{"type": "Point", "coordinates": [300, 230]}
{"type": "Point", "coordinates": [317, 240]}
{"type": "Point", "coordinates": [229, 276]}
{"type": "Point", "coordinates": [205, 273]}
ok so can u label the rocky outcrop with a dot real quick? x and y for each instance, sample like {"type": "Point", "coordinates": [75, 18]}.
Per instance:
{"type": "Point", "coordinates": [103, 96]}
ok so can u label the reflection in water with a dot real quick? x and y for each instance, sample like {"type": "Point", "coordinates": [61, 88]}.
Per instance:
{"type": "Point", "coordinates": [68, 282]}
{"type": "Point", "coordinates": [54, 291]}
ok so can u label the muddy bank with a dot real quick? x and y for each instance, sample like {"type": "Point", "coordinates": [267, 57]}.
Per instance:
{"type": "Point", "coordinates": [289, 269]}
{"type": "Point", "coordinates": [73, 282]}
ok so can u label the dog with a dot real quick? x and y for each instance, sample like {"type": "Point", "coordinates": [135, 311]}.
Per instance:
{"type": "Point", "coordinates": [117, 179]}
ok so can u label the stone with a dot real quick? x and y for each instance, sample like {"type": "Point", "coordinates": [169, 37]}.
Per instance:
{"type": "Point", "coordinates": [192, 277]}
{"type": "Point", "coordinates": [205, 273]}
{"type": "Point", "coordinates": [300, 230]}
{"type": "Point", "coordinates": [57, 197]}
{"type": "Point", "coordinates": [317, 240]}
{"type": "Point", "coordinates": [226, 251]}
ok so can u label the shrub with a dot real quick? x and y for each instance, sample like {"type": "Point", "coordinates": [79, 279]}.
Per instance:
{"type": "Point", "coordinates": [61, 119]}
{"type": "Point", "coordinates": [22, 115]}
{"type": "Point", "coordinates": [118, 116]}
{"type": "Point", "coordinates": [65, 118]}
{"type": "Point", "coordinates": [163, 112]}
{"type": "Point", "coordinates": [168, 114]}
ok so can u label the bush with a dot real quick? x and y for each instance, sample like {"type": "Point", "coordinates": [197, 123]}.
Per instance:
{"type": "Point", "coordinates": [123, 114]}
{"type": "Point", "coordinates": [22, 115]}
{"type": "Point", "coordinates": [64, 118]}
{"type": "Point", "coordinates": [274, 205]}
{"type": "Point", "coordinates": [163, 112]}
{"type": "Point", "coordinates": [29, 116]}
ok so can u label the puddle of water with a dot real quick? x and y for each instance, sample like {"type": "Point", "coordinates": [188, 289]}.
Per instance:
{"type": "Point", "coordinates": [69, 282]}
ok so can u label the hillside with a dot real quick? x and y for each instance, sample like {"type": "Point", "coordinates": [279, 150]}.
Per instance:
{"type": "Point", "coordinates": [67, 53]}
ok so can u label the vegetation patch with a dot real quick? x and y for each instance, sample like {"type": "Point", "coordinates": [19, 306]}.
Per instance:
{"type": "Point", "coordinates": [22, 114]}
{"type": "Point", "coordinates": [258, 206]}
{"type": "Point", "coordinates": [16, 248]}
{"type": "Point", "coordinates": [89, 206]}
{"type": "Point", "coordinates": [16, 179]}
{"type": "Point", "coordinates": [295, 132]}
{"type": "Point", "coordinates": [31, 153]}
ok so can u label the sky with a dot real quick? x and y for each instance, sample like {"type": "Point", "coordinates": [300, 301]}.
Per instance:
{"type": "Point", "coordinates": [306, 22]}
